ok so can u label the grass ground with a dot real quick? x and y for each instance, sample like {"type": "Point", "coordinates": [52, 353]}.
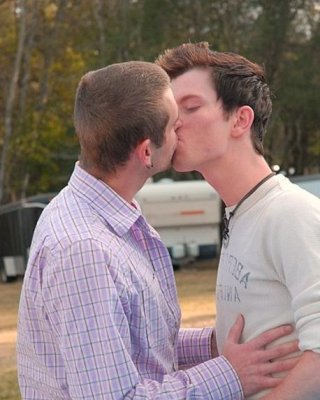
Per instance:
{"type": "Point", "coordinates": [195, 283]}
{"type": "Point", "coordinates": [9, 299]}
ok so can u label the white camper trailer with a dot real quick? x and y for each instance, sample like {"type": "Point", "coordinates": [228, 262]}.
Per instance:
{"type": "Point", "coordinates": [186, 214]}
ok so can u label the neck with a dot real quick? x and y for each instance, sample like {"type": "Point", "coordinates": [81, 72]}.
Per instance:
{"type": "Point", "coordinates": [226, 221]}
{"type": "Point", "coordinates": [125, 183]}
{"type": "Point", "coordinates": [234, 181]}
{"type": "Point", "coordinates": [123, 187]}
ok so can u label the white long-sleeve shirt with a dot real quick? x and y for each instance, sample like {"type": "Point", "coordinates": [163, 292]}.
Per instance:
{"type": "Point", "coordinates": [270, 269]}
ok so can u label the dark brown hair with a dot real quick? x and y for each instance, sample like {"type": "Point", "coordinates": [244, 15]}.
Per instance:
{"type": "Point", "coordinates": [116, 108]}
{"type": "Point", "coordinates": [236, 80]}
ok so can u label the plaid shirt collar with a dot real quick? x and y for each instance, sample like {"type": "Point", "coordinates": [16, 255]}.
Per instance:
{"type": "Point", "coordinates": [117, 212]}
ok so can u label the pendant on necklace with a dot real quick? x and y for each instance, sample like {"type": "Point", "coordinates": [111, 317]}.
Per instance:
{"type": "Point", "coordinates": [225, 231]}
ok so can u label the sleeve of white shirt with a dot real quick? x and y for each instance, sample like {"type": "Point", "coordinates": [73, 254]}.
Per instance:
{"type": "Point", "coordinates": [294, 237]}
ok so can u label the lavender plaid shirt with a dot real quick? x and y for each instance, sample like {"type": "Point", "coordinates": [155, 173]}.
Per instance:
{"type": "Point", "coordinates": [99, 315]}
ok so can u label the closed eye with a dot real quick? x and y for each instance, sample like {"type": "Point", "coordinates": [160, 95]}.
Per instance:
{"type": "Point", "coordinates": [191, 109]}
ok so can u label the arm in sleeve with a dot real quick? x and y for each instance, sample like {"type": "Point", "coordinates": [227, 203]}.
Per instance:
{"type": "Point", "coordinates": [296, 255]}
{"type": "Point", "coordinates": [295, 238]}
{"type": "Point", "coordinates": [196, 345]}
{"type": "Point", "coordinates": [84, 308]}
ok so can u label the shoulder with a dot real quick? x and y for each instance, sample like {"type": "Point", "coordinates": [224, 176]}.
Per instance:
{"type": "Point", "coordinates": [288, 210]}
{"type": "Point", "coordinates": [68, 219]}
{"type": "Point", "coordinates": [287, 197]}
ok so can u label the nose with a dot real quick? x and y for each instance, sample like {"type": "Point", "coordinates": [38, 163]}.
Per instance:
{"type": "Point", "coordinates": [178, 124]}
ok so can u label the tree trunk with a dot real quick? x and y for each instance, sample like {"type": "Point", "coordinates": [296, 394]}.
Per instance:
{"type": "Point", "coordinates": [98, 14]}
{"type": "Point", "coordinates": [12, 90]}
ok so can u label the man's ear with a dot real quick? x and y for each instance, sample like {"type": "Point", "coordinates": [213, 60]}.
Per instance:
{"type": "Point", "coordinates": [244, 117]}
{"type": "Point", "coordinates": [143, 152]}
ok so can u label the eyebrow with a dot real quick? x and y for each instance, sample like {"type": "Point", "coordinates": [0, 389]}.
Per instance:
{"type": "Point", "coordinates": [189, 96]}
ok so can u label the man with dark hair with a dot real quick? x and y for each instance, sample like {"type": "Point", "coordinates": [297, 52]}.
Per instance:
{"type": "Point", "coordinates": [269, 265]}
{"type": "Point", "coordinates": [99, 316]}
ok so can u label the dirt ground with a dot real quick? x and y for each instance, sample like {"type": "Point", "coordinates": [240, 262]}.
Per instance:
{"type": "Point", "coordinates": [9, 300]}
{"type": "Point", "coordinates": [195, 283]}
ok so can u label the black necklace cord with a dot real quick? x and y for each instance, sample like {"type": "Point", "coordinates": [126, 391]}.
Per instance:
{"type": "Point", "coordinates": [226, 221]}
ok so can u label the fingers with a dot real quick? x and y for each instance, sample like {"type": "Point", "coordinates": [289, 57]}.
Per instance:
{"type": "Point", "coordinates": [264, 374]}
{"type": "Point", "coordinates": [269, 336]}
{"type": "Point", "coordinates": [236, 330]}
{"type": "Point", "coordinates": [268, 382]}
{"type": "Point", "coordinates": [281, 350]}
{"type": "Point", "coordinates": [283, 365]}
{"type": "Point", "coordinates": [257, 365]}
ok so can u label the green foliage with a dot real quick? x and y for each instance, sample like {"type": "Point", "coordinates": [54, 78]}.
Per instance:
{"type": "Point", "coordinates": [64, 39]}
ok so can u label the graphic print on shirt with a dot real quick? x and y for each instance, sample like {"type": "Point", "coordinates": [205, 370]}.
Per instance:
{"type": "Point", "coordinates": [238, 279]}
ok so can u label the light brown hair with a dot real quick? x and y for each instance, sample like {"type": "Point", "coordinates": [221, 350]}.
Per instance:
{"type": "Point", "coordinates": [236, 80]}
{"type": "Point", "coordinates": [116, 108]}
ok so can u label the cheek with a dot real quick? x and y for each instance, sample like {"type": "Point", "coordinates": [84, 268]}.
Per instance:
{"type": "Point", "coordinates": [171, 143]}
{"type": "Point", "coordinates": [173, 138]}
{"type": "Point", "coordinates": [196, 122]}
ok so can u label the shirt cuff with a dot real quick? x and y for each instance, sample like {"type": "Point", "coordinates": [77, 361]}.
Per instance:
{"type": "Point", "coordinates": [194, 346]}
{"type": "Point", "coordinates": [216, 379]}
